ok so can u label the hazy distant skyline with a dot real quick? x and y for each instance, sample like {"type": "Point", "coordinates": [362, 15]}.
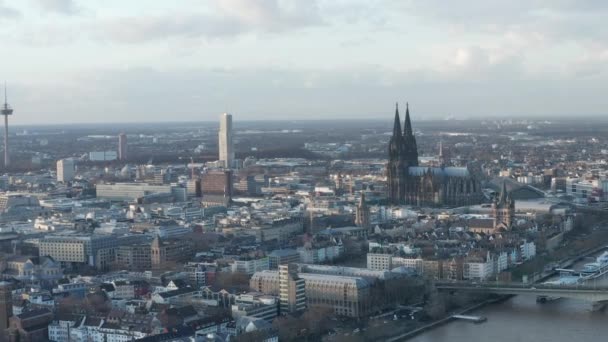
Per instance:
{"type": "Point", "coordinates": [189, 60]}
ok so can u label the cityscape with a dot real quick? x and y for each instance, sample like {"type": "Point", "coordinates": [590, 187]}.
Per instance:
{"type": "Point", "coordinates": [399, 219]}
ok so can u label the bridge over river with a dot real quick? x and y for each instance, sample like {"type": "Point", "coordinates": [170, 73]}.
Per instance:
{"type": "Point", "coordinates": [595, 294]}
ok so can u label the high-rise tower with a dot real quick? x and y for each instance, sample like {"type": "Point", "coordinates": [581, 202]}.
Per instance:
{"type": "Point", "coordinates": [6, 111]}
{"type": "Point", "coordinates": [225, 141]}
{"type": "Point", "coordinates": [122, 147]}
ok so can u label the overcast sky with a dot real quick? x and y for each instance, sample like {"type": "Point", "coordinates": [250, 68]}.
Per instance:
{"type": "Point", "coordinates": [160, 60]}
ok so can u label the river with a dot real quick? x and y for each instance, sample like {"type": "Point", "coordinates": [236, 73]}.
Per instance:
{"type": "Point", "coordinates": [521, 319]}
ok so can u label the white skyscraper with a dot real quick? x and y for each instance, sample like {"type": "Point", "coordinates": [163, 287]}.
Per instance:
{"type": "Point", "coordinates": [65, 170]}
{"type": "Point", "coordinates": [225, 140]}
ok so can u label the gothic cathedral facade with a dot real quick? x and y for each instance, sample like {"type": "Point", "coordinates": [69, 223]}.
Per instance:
{"type": "Point", "coordinates": [411, 184]}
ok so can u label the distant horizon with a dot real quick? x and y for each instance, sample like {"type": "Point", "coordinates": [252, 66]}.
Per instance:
{"type": "Point", "coordinates": [388, 121]}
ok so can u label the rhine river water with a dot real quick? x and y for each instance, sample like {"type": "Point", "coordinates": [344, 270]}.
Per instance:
{"type": "Point", "coordinates": [521, 319]}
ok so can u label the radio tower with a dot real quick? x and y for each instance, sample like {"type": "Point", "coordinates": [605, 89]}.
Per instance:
{"type": "Point", "coordinates": [6, 111]}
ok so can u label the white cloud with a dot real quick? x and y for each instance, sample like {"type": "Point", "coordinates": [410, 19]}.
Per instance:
{"type": "Point", "coordinates": [68, 7]}
{"type": "Point", "coordinates": [231, 18]}
{"type": "Point", "coordinates": [8, 12]}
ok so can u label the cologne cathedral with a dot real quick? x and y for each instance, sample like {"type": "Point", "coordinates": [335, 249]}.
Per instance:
{"type": "Point", "coordinates": [411, 184]}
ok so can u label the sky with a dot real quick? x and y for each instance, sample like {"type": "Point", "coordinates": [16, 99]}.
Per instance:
{"type": "Point", "coordinates": [78, 61]}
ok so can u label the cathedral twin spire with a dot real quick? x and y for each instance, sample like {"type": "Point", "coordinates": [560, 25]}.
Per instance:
{"type": "Point", "coordinates": [407, 126]}
{"type": "Point", "coordinates": [403, 142]}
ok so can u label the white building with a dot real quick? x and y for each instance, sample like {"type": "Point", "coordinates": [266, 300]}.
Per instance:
{"type": "Point", "coordinates": [251, 266]}
{"type": "Point", "coordinates": [594, 189]}
{"type": "Point", "coordinates": [528, 250]}
{"type": "Point", "coordinates": [226, 149]}
{"type": "Point", "coordinates": [65, 170]}
{"type": "Point", "coordinates": [319, 255]}
{"type": "Point", "coordinates": [376, 261]}
{"type": "Point", "coordinates": [59, 331]}
{"type": "Point", "coordinates": [479, 268]}
{"type": "Point", "coordinates": [103, 155]}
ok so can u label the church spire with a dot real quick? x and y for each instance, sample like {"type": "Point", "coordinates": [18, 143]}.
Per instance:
{"type": "Point", "coordinates": [407, 127]}
{"type": "Point", "coordinates": [397, 125]}
{"type": "Point", "coordinates": [362, 199]}
{"type": "Point", "coordinates": [503, 194]}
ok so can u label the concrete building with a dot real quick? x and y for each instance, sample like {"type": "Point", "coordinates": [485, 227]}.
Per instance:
{"type": "Point", "coordinates": [134, 257]}
{"type": "Point", "coordinates": [283, 257]}
{"type": "Point", "coordinates": [347, 291]}
{"type": "Point", "coordinates": [315, 255]}
{"type": "Point", "coordinates": [226, 149]}
{"type": "Point", "coordinates": [122, 147]}
{"type": "Point", "coordinates": [217, 187]}
{"type": "Point", "coordinates": [169, 251]}
{"type": "Point", "coordinates": [250, 266]}
{"type": "Point", "coordinates": [129, 191]}
{"type": "Point", "coordinates": [292, 289]}
{"type": "Point", "coordinates": [103, 156]}
{"type": "Point", "coordinates": [255, 304]}
{"type": "Point", "coordinates": [378, 261]}
{"type": "Point", "coordinates": [95, 250]}
{"type": "Point", "coordinates": [65, 170]}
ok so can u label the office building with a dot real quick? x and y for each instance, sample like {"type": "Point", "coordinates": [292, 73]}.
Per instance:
{"type": "Point", "coordinates": [283, 257]}
{"type": "Point", "coordinates": [82, 249]}
{"type": "Point", "coordinates": [130, 191]}
{"type": "Point", "coordinates": [348, 291]}
{"type": "Point", "coordinates": [292, 289]}
{"type": "Point", "coordinates": [216, 187]}
{"type": "Point", "coordinates": [134, 257]}
{"type": "Point", "coordinates": [226, 150]}
{"type": "Point", "coordinates": [65, 170]}
{"type": "Point", "coordinates": [194, 188]}
{"type": "Point", "coordinates": [250, 266]}
{"type": "Point", "coordinates": [103, 156]}
{"type": "Point", "coordinates": [122, 147]}
{"type": "Point", "coordinates": [255, 304]}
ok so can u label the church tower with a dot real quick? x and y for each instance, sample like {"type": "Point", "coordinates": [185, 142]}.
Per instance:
{"type": "Point", "coordinates": [395, 168]}
{"type": "Point", "coordinates": [402, 153]}
{"type": "Point", "coordinates": [410, 149]}
{"type": "Point", "coordinates": [362, 213]}
{"type": "Point", "coordinates": [503, 209]}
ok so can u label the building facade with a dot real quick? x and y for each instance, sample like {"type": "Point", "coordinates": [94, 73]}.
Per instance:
{"type": "Point", "coordinates": [292, 289]}
{"type": "Point", "coordinates": [169, 251]}
{"type": "Point", "coordinates": [65, 170]}
{"type": "Point", "coordinates": [409, 183]}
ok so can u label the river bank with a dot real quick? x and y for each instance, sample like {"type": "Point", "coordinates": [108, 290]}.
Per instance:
{"type": "Point", "coordinates": [447, 319]}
